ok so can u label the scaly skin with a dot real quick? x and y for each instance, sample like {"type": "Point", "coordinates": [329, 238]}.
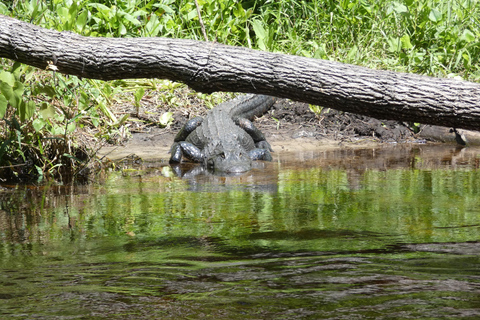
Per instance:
{"type": "Point", "coordinates": [225, 140]}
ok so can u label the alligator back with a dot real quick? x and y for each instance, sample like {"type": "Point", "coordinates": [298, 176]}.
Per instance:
{"type": "Point", "coordinates": [218, 126]}
{"type": "Point", "coordinates": [219, 131]}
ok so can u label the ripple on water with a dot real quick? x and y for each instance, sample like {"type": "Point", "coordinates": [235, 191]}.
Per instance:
{"type": "Point", "coordinates": [385, 233]}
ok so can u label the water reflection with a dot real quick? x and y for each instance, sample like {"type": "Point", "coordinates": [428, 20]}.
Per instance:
{"type": "Point", "coordinates": [380, 233]}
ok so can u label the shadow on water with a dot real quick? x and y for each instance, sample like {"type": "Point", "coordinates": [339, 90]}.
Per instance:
{"type": "Point", "coordinates": [385, 233]}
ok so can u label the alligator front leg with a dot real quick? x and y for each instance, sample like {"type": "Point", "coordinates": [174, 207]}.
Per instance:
{"type": "Point", "coordinates": [177, 150]}
{"type": "Point", "coordinates": [188, 128]}
{"type": "Point", "coordinates": [260, 154]}
{"type": "Point", "coordinates": [255, 133]}
{"type": "Point", "coordinates": [185, 149]}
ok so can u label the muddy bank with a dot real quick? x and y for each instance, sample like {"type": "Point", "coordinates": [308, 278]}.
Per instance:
{"type": "Point", "coordinates": [291, 126]}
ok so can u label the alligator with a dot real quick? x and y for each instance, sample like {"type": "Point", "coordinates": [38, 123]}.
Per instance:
{"type": "Point", "coordinates": [225, 140]}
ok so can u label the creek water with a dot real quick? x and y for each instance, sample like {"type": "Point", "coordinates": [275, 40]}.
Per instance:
{"type": "Point", "coordinates": [383, 233]}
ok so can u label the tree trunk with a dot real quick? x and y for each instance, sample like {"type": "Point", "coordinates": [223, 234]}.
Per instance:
{"type": "Point", "coordinates": [209, 67]}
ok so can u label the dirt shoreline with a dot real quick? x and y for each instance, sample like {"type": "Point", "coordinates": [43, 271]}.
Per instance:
{"type": "Point", "coordinates": [292, 126]}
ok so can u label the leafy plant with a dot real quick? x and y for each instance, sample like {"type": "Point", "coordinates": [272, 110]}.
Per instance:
{"type": "Point", "coordinates": [138, 96]}
{"type": "Point", "coordinates": [39, 122]}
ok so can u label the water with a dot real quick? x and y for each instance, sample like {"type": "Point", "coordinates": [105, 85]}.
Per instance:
{"type": "Point", "coordinates": [386, 233]}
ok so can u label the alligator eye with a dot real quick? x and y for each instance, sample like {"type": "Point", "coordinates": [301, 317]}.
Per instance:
{"type": "Point", "coordinates": [222, 155]}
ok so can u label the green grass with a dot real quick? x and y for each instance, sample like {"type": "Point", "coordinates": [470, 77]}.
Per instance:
{"type": "Point", "coordinates": [437, 38]}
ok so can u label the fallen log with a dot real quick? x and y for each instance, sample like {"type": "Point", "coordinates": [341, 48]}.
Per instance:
{"type": "Point", "coordinates": [209, 67]}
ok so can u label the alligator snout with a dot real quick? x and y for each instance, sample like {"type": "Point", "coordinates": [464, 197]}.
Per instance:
{"type": "Point", "coordinates": [230, 162]}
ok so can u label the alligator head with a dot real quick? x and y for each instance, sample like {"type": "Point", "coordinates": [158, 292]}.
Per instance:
{"type": "Point", "coordinates": [229, 160]}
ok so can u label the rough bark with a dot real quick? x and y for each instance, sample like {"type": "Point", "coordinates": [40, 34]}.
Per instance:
{"type": "Point", "coordinates": [209, 67]}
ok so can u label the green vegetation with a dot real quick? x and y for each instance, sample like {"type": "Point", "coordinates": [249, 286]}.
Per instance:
{"type": "Point", "coordinates": [45, 117]}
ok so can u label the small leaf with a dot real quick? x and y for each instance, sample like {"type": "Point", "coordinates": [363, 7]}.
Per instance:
{"type": "Point", "coordinates": [82, 20]}
{"type": "Point", "coordinates": [6, 90]}
{"type": "Point", "coordinates": [30, 108]}
{"type": "Point", "coordinates": [258, 29]}
{"type": "Point", "coordinates": [38, 124]}
{"type": "Point", "coordinates": [47, 111]}
{"type": "Point", "coordinates": [3, 106]}
{"type": "Point", "coordinates": [239, 11]}
{"type": "Point", "coordinates": [121, 29]}
{"type": "Point", "coordinates": [468, 36]}
{"type": "Point", "coordinates": [321, 52]}
{"type": "Point", "coordinates": [166, 119]}
{"type": "Point", "coordinates": [406, 44]}
{"type": "Point", "coordinates": [7, 77]}
{"type": "Point", "coordinates": [71, 127]}
{"type": "Point", "coordinates": [107, 112]}
{"type": "Point", "coordinates": [131, 19]}
{"type": "Point", "coordinates": [18, 89]}
{"type": "Point", "coordinates": [121, 121]}
{"type": "Point", "coordinates": [25, 110]}
{"type": "Point", "coordinates": [352, 53]}
{"type": "Point", "coordinates": [72, 157]}
{"type": "Point", "coordinates": [459, 58]}
{"type": "Point", "coordinates": [435, 15]}
{"type": "Point", "coordinates": [164, 7]}
{"type": "Point", "coordinates": [49, 91]}
{"type": "Point", "coordinates": [400, 8]}
{"type": "Point", "coordinates": [466, 59]}
{"type": "Point", "coordinates": [3, 9]}
{"type": "Point", "coordinates": [56, 130]}
{"type": "Point", "coordinates": [260, 33]}
{"type": "Point", "coordinates": [99, 7]}
{"type": "Point", "coordinates": [367, 7]}
{"type": "Point", "coordinates": [22, 110]}
{"type": "Point", "coordinates": [394, 44]}
{"type": "Point", "coordinates": [83, 101]}
{"type": "Point", "coordinates": [62, 12]}
{"type": "Point", "coordinates": [192, 14]}
{"type": "Point", "coordinates": [12, 94]}
{"type": "Point", "coordinates": [139, 95]}
{"type": "Point", "coordinates": [40, 173]}
{"type": "Point", "coordinates": [171, 24]}
{"type": "Point", "coordinates": [153, 26]}
{"type": "Point", "coordinates": [73, 10]}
